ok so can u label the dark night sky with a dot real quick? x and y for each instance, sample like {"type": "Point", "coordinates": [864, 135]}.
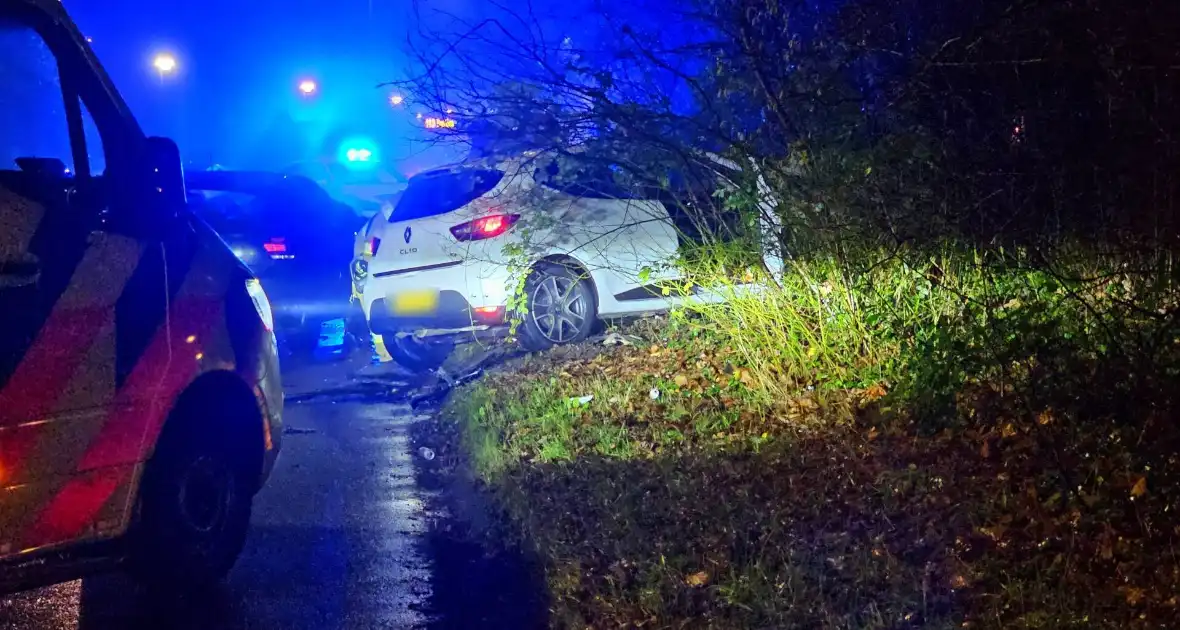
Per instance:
{"type": "Point", "coordinates": [234, 100]}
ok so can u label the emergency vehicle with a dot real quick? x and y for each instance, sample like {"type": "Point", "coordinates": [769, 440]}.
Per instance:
{"type": "Point", "coordinates": [140, 402]}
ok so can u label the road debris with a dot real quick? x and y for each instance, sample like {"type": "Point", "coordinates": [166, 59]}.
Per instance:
{"type": "Point", "coordinates": [618, 339]}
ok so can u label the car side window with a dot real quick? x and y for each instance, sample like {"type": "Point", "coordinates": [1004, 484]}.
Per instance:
{"type": "Point", "coordinates": [590, 180]}
{"type": "Point", "coordinates": [32, 107]}
{"type": "Point", "coordinates": [548, 174]}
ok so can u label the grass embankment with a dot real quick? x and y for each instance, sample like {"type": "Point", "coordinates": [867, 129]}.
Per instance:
{"type": "Point", "coordinates": [885, 453]}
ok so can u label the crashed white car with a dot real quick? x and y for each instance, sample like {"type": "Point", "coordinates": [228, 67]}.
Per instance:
{"type": "Point", "coordinates": [447, 261]}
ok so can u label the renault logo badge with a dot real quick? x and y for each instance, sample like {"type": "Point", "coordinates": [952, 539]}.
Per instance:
{"type": "Point", "coordinates": [407, 234]}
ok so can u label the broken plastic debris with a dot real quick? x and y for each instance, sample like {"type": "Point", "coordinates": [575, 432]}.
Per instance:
{"type": "Point", "coordinates": [426, 453]}
{"type": "Point", "coordinates": [474, 374]}
{"type": "Point", "coordinates": [616, 339]}
{"type": "Point", "coordinates": [446, 378]}
{"type": "Point", "coordinates": [581, 400]}
{"type": "Point", "coordinates": [654, 394]}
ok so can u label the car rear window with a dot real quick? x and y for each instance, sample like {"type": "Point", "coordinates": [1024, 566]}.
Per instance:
{"type": "Point", "coordinates": [439, 192]}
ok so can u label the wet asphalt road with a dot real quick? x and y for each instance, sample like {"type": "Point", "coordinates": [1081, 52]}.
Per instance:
{"type": "Point", "coordinates": [338, 541]}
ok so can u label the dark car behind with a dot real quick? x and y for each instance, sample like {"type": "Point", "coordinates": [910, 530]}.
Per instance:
{"type": "Point", "coordinates": [296, 239]}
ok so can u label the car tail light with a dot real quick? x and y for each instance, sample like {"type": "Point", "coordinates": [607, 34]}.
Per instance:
{"type": "Point", "coordinates": [489, 314]}
{"type": "Point", "coordinates": [276, 247]}
{"type": "Point", "coordinates": [372, 247]}
{"type": "Point", "coordinates": [490, 226]}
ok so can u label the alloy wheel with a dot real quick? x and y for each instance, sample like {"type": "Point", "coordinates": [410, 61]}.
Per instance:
{"type": "Point", "coordinates": [557, 309]}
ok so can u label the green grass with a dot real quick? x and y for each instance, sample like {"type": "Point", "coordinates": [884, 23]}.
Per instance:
{"type": "Point", "coordinates": [982, 446]}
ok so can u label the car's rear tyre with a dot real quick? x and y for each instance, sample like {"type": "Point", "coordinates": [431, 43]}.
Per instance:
{"type": "Point", "coordinates": [419, 355]}
{"type": "Point", "coordinates": [561, 307]}
{"type": "Point", "coordinates": [195, 502]}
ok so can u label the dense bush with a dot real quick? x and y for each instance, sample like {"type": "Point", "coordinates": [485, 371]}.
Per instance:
{"type": "Point", "coordinates": [934, 164]}
{"type": "Point", "coordinates": [953, 406]}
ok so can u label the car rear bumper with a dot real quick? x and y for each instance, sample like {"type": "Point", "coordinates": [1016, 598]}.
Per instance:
{"type": "Point", "coordinates": [299, 300]}
{"type": "Point", "coordinates": [470, 297]}
{"type": "Point", "coordinates": [453, 314]}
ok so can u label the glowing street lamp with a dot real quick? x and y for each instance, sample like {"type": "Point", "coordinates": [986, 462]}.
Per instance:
{"type": "Point", "coordinates": [396, 99]}
{"type": "Point", "coordinates": [164, 63]}
{"type": "Point", "coordinates": [308, 87]}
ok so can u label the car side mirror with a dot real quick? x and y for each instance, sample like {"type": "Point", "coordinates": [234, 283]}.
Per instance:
{"type": "Point", "coordinates": [167, 174]}
{"type": "Point", "coordinates": [52, 167]}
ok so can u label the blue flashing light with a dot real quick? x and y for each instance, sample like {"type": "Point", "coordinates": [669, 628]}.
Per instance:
{"type": "Point", "coordinates": [358, 153]}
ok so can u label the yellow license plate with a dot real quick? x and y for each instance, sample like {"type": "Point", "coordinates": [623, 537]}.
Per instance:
{"type": "Point", "coordinates": [415, 302]}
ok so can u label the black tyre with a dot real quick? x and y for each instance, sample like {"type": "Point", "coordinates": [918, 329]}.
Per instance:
{"type": "Point", "coordinates": [561, 307]}
{"type": "Point", "coordinates": [419, 355]}
{"type": "Point", "coordinates": [195, 503]}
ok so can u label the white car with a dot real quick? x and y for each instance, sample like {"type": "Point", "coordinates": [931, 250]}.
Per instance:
{"type": "Point", "coordinates": [449, 260]}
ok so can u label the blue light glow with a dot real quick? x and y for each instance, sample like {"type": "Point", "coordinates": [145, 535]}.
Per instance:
{"type": "Point", "coordinates": [358, 153]}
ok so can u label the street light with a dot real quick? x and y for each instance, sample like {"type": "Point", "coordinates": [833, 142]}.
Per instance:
{"type": "Point", "coordinates": [308, 87]}
{"type": "Point", "coordinates": [396, 99]}
{"type": "Point", "coordinates": [164, 63]}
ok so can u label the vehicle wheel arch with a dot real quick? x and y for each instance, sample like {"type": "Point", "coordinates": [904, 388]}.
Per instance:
{"type": "Point", "coordinates": [531, 336]}
{"type": "Point", "coordinates": [576, 265]}
{"type": "Point", "coordinates": [219, 400]}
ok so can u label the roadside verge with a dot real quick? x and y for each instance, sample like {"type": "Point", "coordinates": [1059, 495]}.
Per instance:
{"type": "Point", "coordinates": [658, 492]}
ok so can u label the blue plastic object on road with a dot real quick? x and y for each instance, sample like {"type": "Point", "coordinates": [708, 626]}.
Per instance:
{"type": "Point", "coordinates": [332, 339]}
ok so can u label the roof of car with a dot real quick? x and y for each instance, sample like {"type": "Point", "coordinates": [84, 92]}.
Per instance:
{"type": "Point", "coordinates": [53, 7]}
{"type": "Point", "coordinates": [244, 181]}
